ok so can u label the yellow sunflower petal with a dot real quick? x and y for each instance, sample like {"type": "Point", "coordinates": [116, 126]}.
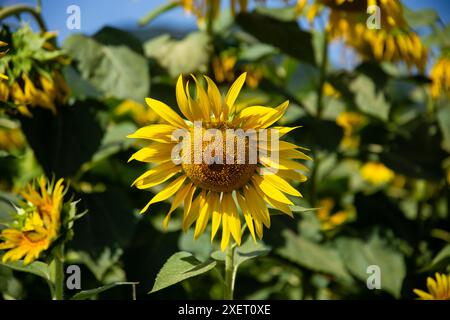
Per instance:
{"type": "Point", "coordinates": [270, 190]}
{"type": "Point", "coordinates": [215, 97]}
{"type": "Point", "coordinates": [166, 113]}
{"type": "Point", "coordinates": [156, 175]}
{"type": "Point", "coordinates": [167, 192]}
{"type": "Point", "coordinates": [157, 132]}
{"type": "Point", "coordinates": [233, 92]}
{"type": "Point", "coordinates": [247, 215]}
{"type": "Point", "coordinates": [216, 218]}
{"type": "Point", "coordinates": [177, 200]}
{"type": "Point", "coordinates": [234, 222]}
{"type": "Point", "coordinates": [182, 100]}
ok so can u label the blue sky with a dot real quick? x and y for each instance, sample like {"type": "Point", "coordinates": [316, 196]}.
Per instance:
{"type": "Point", "coordinates": [126, 13]}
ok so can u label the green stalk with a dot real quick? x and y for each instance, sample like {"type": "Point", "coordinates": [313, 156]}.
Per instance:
{"type": "Point", "coordinates": [59, 273]}
{"type": "Point", "coordinates": [230, 274]}
{"type": "Point", "coordinates": [22, 8]}
{"type": "Point", "coordinates": [319, 111]}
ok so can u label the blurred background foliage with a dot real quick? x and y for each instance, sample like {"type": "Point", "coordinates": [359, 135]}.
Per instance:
{"type": "Point", "coordinates": [378, 130]}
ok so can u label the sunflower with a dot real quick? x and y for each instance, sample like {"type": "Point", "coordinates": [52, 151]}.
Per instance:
{"type": "Point", "coordinates": [210, 189]}
{"type": "Point", "coordinates": [376, 173]}
{"type": "Point", "coordinates": [35, 74]}
{"type": "Point", "coordinates": [394, 41]}
{"type": "Point", "coordinates": [2, 53]}
{"type": "Point", "coordinates": [440, 76]}
{"type": "Point", "coordinates": [37, 222]}
{"type": "Point", "coordinates": [200, 8]}
{"type": "Point", "coordinates": [438, 289]}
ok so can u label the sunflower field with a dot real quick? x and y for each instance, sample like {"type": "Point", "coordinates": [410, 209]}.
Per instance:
{"type": "Point", "coordinates": [126, 163]}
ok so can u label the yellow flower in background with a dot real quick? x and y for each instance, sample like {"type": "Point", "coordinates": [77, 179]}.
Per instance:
{"type": "Point", "coordinates": [214, 191]}
{"type": "Point", "coordinates": [224, 70]}
{"type": "Point", "coordinates": [2, 76]}
{"type": "Point", "coordinates": [330, 91]}
{"type": "Point", "coordinates": [328, 220]}
{"type": "Point", "coordinates": [11, 138]}
{"type": "Point", "coordinates": [376, 173]}
{"type": "Point", "coordinates": [438, 289]}
{"type": "Point", "coordinates": [37, 224]}
{"type": "Point", "coordinates": [138, 112]}
{"type": "Point", "coordinates": [394, 41]}
{"type": "Point", "coordinates": [350, 122]}
{"type": "Point", "coordinates": [440, 76]}
{"type": "Point", "coordinates": [223, 67]}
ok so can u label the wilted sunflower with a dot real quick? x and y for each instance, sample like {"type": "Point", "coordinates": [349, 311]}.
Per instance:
{"type": "Point", "coordinates": [37, 222]}
{"type": "Point", "coordinates": [2, 53]}
{"type": "Point", "coordinates": [438, 289]}
{"type": "Point", "coordinates": [393, 41]}
{"type": "Point", "coordinates": [440, 75]}
{"type": "Point", "coordinates": [34, 68]}
{"type": "Point", "coordinates": [211, 190]}
{"type": "Point", "coordinates": [200, 8]}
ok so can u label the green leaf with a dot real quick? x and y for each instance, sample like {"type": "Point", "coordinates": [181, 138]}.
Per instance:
{"type": "Point", "coordinates": [86, 294]}
{"type": "Point", "coordinates": [184, 56]}
{"type": "Point", "coordinates": [358, 255]}
{"type": "Point", "coordinates": [37, 268]}
{"type": "Point", "coordinates": [283, 14]}
{"type": "Point", "coordinates": [63, 142]}
{"type": "Point", "coordinates": [441, 260]}
{"type": "Point", "coordinates": [115, 70]}
{"type": "Point", "coordinates": [368, 100]}
{"type": "Point", "coordinates": [113, 140]}
{"type": "Point", "coordinates": [157, 12]}
{"type": "Point", "coordinates": [250, 250]}
{"type": "Point", "coordinates": [313, 256]}
{"type": "Point", "coordinates": [444, 124]}
{"type": "Point", "coordinates": [7, 202]}
{"type": "Point", "coordinates": [180, 266]}
{"type": "Point", "coordinates": [420, 18]}
{"type": "Point", "coordinates": [285, 35]}
{"type": "Point", "coordinates": [115, 37]}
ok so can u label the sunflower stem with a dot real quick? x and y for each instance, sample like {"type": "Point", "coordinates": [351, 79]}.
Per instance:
{"type": "Point", "coordinates": [15, 10]}
{"type": "Point", "coordinates": [59, 273]}
{"type": "Point", "coordinates": [230, 274]}
{"type": "Point", "coordinates": [319, 110]}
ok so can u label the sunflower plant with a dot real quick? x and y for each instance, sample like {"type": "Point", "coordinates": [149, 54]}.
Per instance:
{"type": "Point", "coordinates": [218, 180]}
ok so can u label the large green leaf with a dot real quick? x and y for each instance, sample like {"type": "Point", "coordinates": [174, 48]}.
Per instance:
{"type": "Point", "coordinates": [444, 124]}
{"type": "Point", "coordinates": [285, 35]}
{"type": "Point", "coordinates": [115, 70]}
{"type": "Point", "coordinates": [7, 203]}
{"type": "Point", "coordinates": [358, 255]}
{"type": "Point", "coordinates": [368, 100]}
{"type": "Point", "coordinates": [184, 56]}
{"type": "Point", "coordinates": [63, 142]}
{"type": "Point", "coordinates": [86, 294]}
{"type": "Point", "coordinates": [180, 266]}
{"type": "Point", "coordinates": [37, 268]}
{"type": "Point", "coordinates": [441, 260]}
{"type": "Point", "coordinates": [313, 256]}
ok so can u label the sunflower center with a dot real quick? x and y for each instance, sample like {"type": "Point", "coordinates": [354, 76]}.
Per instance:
{"type": "Point", "coordinates": [225, 161]}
